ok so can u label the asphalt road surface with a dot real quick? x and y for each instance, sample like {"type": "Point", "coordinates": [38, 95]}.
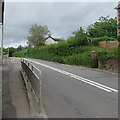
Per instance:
{"type": "Point", "coordinates": [77, 92]}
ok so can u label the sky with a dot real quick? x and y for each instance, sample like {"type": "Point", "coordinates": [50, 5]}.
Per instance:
{"type": "Point", "coordinates": [62, 18]}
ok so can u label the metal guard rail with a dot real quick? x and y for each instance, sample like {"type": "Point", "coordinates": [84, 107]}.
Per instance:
{"type": "Point", "coordinates": [32, 79]}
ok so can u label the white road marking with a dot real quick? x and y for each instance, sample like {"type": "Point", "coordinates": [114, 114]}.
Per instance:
{"type": "Point", "coordinates": [90, 82]}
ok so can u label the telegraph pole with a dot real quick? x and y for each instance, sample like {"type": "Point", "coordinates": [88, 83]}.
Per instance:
{"type": "Point", "coordinates": [1, 27]}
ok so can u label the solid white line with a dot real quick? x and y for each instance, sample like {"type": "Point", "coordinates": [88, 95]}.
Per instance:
{"type": "Point", "coordinates": [98, 84]}
{"type": "Point", "coordinates": [95, 84]}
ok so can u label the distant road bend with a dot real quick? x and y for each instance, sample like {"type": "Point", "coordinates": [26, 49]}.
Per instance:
{"type": "Point", "coordinates": [77, 92]}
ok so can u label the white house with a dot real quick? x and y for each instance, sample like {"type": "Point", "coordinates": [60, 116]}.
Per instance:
{"type": "Point", "coordinates": [51, 40]}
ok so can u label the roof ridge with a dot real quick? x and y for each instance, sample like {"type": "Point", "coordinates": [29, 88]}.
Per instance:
{"type": "Point", "coordinates": [55, 39]}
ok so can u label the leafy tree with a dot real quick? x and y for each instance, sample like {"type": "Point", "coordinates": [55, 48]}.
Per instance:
{"type": "Point", "coordinates": [80, 37]}
{"type": "Point", "coordinates": [20, 47]}
{"type": "Point", "coordinates": [104, 27]}
{"type": "Point", "coordinates": [37, 34]}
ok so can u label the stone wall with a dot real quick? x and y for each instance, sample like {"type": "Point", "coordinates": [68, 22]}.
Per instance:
{"type": "Point", "coordinates": [111, 65]}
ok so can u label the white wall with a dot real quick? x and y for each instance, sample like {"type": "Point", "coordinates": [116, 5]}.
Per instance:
{"type": "Point", "coordinates": [50, 41]}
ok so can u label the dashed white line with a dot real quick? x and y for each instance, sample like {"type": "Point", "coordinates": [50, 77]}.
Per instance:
{"type": "Point", "coordinates": [90, 82]}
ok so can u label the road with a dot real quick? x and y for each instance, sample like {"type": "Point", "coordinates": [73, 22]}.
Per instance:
{"type": "Point", "coordinates": [77, 92]}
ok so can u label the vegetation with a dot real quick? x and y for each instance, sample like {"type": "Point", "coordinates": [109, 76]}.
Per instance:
{"type": "Point", "coordinates": [94, 41]}
{"type": "Point", "coordinates": [10, 50]}
{"type": "Point", "coordinates": [37, 35]}
{"type": "Point", "coordinates": [76, 50]}
{"type": "Point", "coordinates": [104, 27]}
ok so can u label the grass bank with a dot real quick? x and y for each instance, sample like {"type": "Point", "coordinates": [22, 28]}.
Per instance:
{"type": "Point", "coordinates": [69, 53]}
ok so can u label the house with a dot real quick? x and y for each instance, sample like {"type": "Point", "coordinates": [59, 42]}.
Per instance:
{"type": "Point", "coordinates": [51, 40]}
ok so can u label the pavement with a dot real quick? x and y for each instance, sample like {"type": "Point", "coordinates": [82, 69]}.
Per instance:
{"type": "Point", "coordinates": [14, 102]}
{"type": "Point", "coordinates": [74, 91]}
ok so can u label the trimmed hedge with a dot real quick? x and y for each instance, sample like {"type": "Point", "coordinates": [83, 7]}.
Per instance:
{"type": "Point", "coordinates": [73, 55]}
{"type": "Point", "coordinates": [94, 41]}
{"type": "Point", "coordinates": [70, 52]}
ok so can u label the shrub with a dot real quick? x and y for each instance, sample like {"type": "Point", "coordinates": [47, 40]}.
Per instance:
{"type": "Point", "coordinates": [94, 41]}
{"type": "Point", "coordinates": [69, 53]}
{"type": "Point", "coordinates": [81, 37]}
{"type": "Point", "coordinates": [20, 54]}
{"type": "Point", "coordinates": [79, 59]}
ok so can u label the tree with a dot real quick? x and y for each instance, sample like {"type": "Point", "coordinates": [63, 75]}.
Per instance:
{"type": "Point", "coordinates": [19, 48]}
{"type": "Point", "coordinates": [38, 34]}
{"type": "Point", "coordinates": [104, 27]}
{"type": "Point", "coordinates": [80, 37]}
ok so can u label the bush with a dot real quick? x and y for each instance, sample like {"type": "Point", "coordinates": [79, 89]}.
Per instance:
{"type": "Point", "coordinates": [69, 53]}
{"type": "Point", "coordinates": [79, 59]}
{"type": "Point", "coordinates": [40, 43]}
{"type": "Point", "coordinates": [81, 37]}
{"type": "Point", "coordinates": [94, 41]}
{"type": "Point", "coordinates": [20, 54]}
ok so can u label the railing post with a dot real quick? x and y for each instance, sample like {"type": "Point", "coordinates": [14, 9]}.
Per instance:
{"type": "Point", "coordinates": [40, 96]}
{"type": "Point", "coordinates": [31, 67]}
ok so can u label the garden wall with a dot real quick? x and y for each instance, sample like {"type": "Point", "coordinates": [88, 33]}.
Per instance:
{"type": "Point", "coordinates": [111, 65]}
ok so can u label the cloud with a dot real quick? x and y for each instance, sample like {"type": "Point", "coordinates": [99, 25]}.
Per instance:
{"type": "Point", "coordinates": [60, 17]}
{"type": "Point", "coordinates": [61, 0]}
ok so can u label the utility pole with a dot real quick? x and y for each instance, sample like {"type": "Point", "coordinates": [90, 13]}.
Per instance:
{"type": "Point", "coordinates": [1, 27]}
{"type": "Point", "coordinates": [1, 42]}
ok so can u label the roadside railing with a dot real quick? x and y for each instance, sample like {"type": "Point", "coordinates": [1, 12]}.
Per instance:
{"type": "Point", "coordinates": [32, 79]}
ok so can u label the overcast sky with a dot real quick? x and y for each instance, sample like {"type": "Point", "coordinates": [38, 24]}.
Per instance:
{"type": "Point", "coordinates": [61, 18]}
